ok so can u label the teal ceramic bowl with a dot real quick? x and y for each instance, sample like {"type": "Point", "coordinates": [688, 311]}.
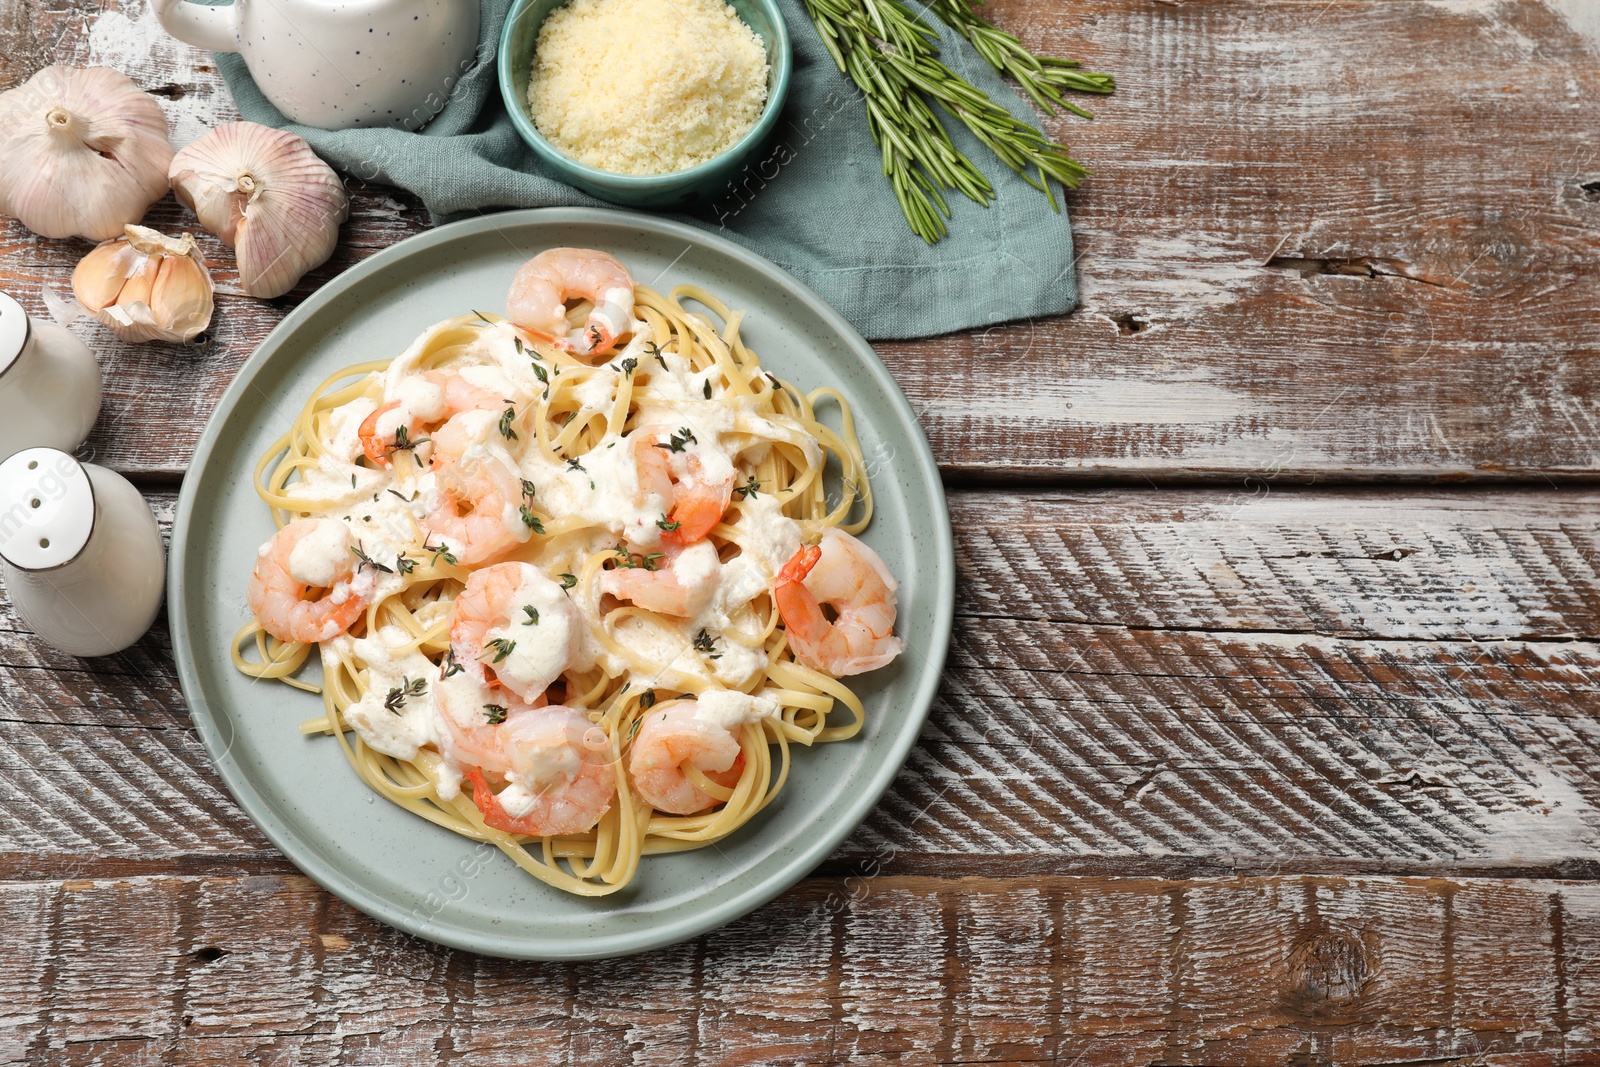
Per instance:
{"type": "Point", "coordinates": [683, 187]}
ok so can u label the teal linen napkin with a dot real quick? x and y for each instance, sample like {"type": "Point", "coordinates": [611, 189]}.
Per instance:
{"type": "Point", "coordinates": [813, 201]}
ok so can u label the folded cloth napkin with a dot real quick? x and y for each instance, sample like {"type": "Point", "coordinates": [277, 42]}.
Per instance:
{"type": "Point", "coordinates": [814, 200]}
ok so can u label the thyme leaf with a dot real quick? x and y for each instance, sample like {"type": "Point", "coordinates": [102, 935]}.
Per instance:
{"type": "Point", "coordinates": [448, 665]}
{"type": "Point", "coordinates": [408, 687]}
{"type": "Point", "coordinates": [368, 561]}
{"type": "Point", "coordinates": [679, 440]}
{"type": "Point", "coordinates": [495, 713]}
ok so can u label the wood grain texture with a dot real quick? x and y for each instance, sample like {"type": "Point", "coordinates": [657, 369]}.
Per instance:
{"type": "Point", "coordinates": [1092, 971]}
{"type": "Point", "coordinates": [1169, 682]}
{"type": "Point", "coordinates": [1348, 240]}
{"type": "Point", "coordinates": [1190, 746]}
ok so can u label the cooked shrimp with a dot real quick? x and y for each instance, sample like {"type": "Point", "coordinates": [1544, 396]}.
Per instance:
{"type": "Point", "coordinates": [300, 589]}
{"type": "Point", "coordinates": [671, 739]}
{"type": "Point", "coordinates": [476, 508]}
{"type": "Point", "coordinates": [699, 497]}
{"type": "Point", "coordinates": [539, 292]}
{"type": "Point", "coordinates": [425, 402]}
{"type": "Point", "coordinates": [514, 627]}
{"type": "Point", "coordinates": [555, 762]}
{"type": "Point", "coordinates": [846, 575]}
{"type": "Point", "coordinates": [680, 584]}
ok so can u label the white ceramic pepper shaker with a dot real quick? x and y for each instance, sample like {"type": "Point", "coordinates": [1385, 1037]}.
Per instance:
{"type": "Point", "coordinates": [80, 552]}
{"type": "Point", "coordinates": [49, 383]}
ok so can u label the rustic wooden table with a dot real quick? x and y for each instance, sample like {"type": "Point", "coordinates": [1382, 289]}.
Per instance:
{"type": "Point", "coordinates": [1269, 729]}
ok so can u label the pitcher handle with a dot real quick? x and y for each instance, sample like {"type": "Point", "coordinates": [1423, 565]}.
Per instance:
{"type": "Point", "coordinates": [212, 28]}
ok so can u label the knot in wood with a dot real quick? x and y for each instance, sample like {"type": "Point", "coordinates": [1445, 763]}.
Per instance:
{"type": "Point", "coordinates": [1329, 970]}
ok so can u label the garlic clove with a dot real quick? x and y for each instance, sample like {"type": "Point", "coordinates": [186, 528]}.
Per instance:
{"type": "Point", "coordinates": [100, 275]}
{"type": "Point", "coordinates": [267, 195]}
{"type": "Point", "coordinates": [136, 290]}
{"type": "Point", "coordinates": [83, 152]}
{"type": "Point", "coordinates": [146, 286]}
{"type": "Point", "coordinates": [183, 293]}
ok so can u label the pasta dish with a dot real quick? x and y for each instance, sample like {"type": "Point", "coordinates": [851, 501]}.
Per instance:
{"type": "Point", "coordinates": [576, 577]}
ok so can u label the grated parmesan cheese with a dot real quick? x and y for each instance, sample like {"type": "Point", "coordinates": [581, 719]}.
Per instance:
{"type": "Point", "coordinates": [646, 86]}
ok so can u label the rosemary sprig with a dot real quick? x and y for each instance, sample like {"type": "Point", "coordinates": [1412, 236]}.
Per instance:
{"type": "Point", "coordinates": [1043, 78]}
{"type": "Point", "coordinates": [892, 56]}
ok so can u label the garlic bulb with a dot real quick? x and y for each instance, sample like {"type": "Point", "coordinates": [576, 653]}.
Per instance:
{"type": "Point", "coordinates": [268, 196]}
{"type": "Point", "coordinates": [82, 152]}
{"type": "Point", "coordinates": [146, 286]}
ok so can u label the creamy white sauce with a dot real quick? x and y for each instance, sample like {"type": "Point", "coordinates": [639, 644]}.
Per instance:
{"type": "Point", "coordinates": [727, 709]}
{"type": "Point", "coordinates": [394, 725]}
{"type": "Point", "coordinates": [321, 557]}
{"type": "Point", "coordinates": [540, 650]}
{"type": "Point", "coordinates": [767, 534]}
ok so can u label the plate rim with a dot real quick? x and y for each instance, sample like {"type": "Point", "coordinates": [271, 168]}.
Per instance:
{"type": "Point", "coordinates": [793, 865]}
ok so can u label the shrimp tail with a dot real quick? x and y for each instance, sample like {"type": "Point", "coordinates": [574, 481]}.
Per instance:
{"type": "Point", "coordinates": [371, 443]}
{"type": "Point", "coordinates": [494, 814]}
{"type": "Point", "coordinates": [799, 565]}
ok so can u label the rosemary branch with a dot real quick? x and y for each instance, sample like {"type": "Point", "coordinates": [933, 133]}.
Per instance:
{"type": "Point", "coordinates": [1043, 78]}
{"type": "Point", "coordinates": [892, 57]}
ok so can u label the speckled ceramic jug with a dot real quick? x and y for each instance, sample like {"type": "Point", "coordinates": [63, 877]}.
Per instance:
{"type": "Point", "coordinates": [80, 552]}
{"type": "Point", "coordinates": [340, 63]}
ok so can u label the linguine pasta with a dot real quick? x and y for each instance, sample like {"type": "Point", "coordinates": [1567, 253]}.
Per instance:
{"type": "Point", "coordinates": [571, 426]}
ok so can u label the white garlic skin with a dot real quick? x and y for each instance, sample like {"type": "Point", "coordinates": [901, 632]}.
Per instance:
{"type": "Point", "coordinates": [268, 196]}
{"type": "Point", "coordinates": [146, 286]}
{"type": "Point", "coordinates": [83, 152]}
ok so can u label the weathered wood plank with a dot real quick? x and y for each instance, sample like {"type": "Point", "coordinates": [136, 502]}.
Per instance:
{"type": "Point", "coordinates": [1102, 971]}
{"type": "Point", "coordinates": [1139, 681]}
{"type": "Point", "coordinates": [1351, 242]}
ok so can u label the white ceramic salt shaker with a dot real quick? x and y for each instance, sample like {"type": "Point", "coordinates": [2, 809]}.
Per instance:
{"type": "Point", "coordinates": [80, 552]}
{"type": "Point", "coordinates": [49, 383]}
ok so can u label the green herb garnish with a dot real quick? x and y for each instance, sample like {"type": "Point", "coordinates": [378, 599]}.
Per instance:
{"type": "Point", "coordinates": [407, 688]}
{"type": "Point", "coordinates": [449, 665]}
{"type": "Point", "coordinates": [667, 524]}
{"type": "Point", "coordinates": [748, 489]}
{"type": "Point", "coordinates": [440, 551]}
{"type": "Point", "coordinates": [705, 643]}
{"type": "Point", "coordinates": [532, 521]}
{"type": "Point", "coordinates": [677, 441]}
{"type": "Point", "coordinates": [368, 561]}
{"type": "Point", "coordinates": [567, 580]}
{"type": "Point", "coordinates": [500, 646]}
{"type": "Point", "coordinates": [403, 441]}
{"type": "Point", "coordinates": [495, 713]}
{"type": "Point", "coordinates": [507, 417]}
{"type": "Point", "coordinates": [532, 613]}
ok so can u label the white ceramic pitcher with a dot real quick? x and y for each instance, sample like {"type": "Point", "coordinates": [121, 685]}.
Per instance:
{"type": "Point", "coordinates": [340, 63]}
